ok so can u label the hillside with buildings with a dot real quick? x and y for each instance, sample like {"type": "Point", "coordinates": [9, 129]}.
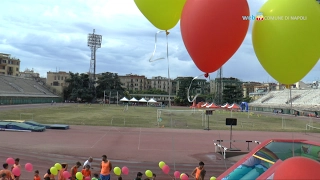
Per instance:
{"type": "Point", "coordinates": [14, 82]}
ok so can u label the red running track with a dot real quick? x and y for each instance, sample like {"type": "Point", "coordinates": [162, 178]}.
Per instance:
{"type": "Point", "coordinates": [137, 148]}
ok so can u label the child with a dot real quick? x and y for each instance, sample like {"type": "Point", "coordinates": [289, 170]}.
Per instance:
{"type": "Point", "coordinates": [48, 175]}
{"type": "Point", "coordinates": [74, 170]}
{"type": "Point", "coordinates": [95, 176]}
{"type": "Point", "coordinates": [202, 174]}
{"type": "Point", "coordinates": [86, 172]}
{"type": "Point", "coordinates": [119, 178]}
{"type": "Point", "coordinates": [36, 175]}
{"type": "Point", "coordinates": [16, 165]}
{"type": "Point", "coordinates": [196, 172]}
{"type": "Point", "coordinates": [64, 168]}
{"type": "Point", "coordinates": [139, 176]}
{"type": "Point", "coordinates": [154, 176]}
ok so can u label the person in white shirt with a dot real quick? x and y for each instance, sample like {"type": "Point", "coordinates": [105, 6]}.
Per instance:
{"type": "Point", "coordinates": [88, 162]}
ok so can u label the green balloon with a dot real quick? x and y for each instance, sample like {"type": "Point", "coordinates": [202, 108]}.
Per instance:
{"type": "Point", "coordinates": [117, 171]}
{"type": "Point", "coordinates": [148, 173]}
{"type": "Point", "coordinates": [213, 178]}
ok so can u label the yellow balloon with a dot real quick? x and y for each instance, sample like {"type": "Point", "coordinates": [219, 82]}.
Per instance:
{"type": "Point", "coordinates": [287, 41]}
{"type": "Point", "coordinates": [161, 164]}
{"type": "Point", "coordinates": [148, 173]}
{"type": "Point", "coordinates": [58, 166]}
{"type": "Point", "coordinates": [163, 14]}
{"type": "Point", "coordinates": [213, 178]}
{"type": "Point", "coordinates": [79, 176]}
{"type": "Point", "coordinates": [117, 171]}
{"type": "Point", "coordinates": [54, 170]}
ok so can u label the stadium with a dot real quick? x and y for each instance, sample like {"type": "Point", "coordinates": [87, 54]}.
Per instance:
{"type": "Point", "coordinates": [302, 102]}
{"type": "Point", "coordinates": [18, 90]}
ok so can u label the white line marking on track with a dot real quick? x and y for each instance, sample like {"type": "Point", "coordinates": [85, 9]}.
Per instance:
{"type": "Point", "coordinates": [99, 140]}
{"type": "Point", "coordinates": [139, 139]}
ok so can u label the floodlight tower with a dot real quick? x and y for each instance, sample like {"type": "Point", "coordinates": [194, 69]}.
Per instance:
{"type": "Point", "coordinates": [94, 42]}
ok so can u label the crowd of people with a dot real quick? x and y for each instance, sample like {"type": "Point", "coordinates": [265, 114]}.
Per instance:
{"type": "Point", "coordinates": [105, 172]}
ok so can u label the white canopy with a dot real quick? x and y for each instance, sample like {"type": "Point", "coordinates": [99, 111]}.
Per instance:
{"type": "Point", "coordinates": [143, 100]}
{"type": "Point", "coordinates": [124, 99]}
{"type": "Point", "coordinates": [133, 100]}
{"type": "Point", "coordinates": [152, 100]}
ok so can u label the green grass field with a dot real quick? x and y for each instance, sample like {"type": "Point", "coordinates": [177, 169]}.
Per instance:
{"type": "Point", "coordinates": [182, 118]}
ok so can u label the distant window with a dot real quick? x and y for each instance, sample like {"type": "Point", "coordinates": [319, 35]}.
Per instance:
{"type": "Point", "coordinates": [4, 61]}
{"type": "Point", "coordinates": [17, 69]}
{"type": "Point", "coordinates": [55, 83]}
{"type": "Point", "coordinates": [58, 77]}
{"type": "Point", "coordinates": [55, 78]}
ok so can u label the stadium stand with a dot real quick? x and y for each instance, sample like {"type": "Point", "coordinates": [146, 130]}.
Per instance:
{"type": "Point", "coordinates": [17, 90]}
{"type": "Point", "coordinates": [303, 99]}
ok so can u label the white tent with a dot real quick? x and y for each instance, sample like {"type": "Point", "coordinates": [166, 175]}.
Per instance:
{"type": "Point", "coordinates": [143, 100]}
{"type": "Point", "coordinates": [152, 101]}
{"type": "Point", "coordinates": [124, 99]}
{"type": "Point", "coordinates": [133, 100]}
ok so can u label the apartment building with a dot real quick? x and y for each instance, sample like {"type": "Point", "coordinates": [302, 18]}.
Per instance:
{"type": "Point", "coordinates": [162, 83]}
{"type": "Point", "coordinates": [203, 87]}
{"type": "Point", "coordinates": [9, 65]}
{"type": "Point", "coordinates": [29, 74]}
{"type": "Point", "coordinates": [56, 80]}
{"type": "Point", "coordinates": [134, 82]}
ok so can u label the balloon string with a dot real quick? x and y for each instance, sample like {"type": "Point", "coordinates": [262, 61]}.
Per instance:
{"type": "Point", "coordinates": [152, 60]}
{"type": "Point", "coordinates": [155, 47]}
{"type": "Point", "coordinates": [169, 84]}
{"type": "Point", "coordinates": [188, 92]}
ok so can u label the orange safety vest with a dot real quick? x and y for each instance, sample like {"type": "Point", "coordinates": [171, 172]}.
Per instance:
{"type": "Point", "coordinates": [105, 168]}
{"type": "Point", "coordinates": [198, 171]}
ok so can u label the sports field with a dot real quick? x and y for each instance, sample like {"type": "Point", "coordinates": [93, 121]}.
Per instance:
{"type": "Point", "coordinates": [140, 143]}
{"type": "Point", "coordinates": [150, 117]}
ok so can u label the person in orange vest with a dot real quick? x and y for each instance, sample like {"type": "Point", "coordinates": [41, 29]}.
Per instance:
{"type": "Point", "coordinates": [106, 168]}
{"type": "Point", "coordinates": [64, 168]}
{"type": "Point", "coordinates": [36, 175]}
{"type": "Point", "coordinates": [86, 172]}
{"type": "Point", "coordinates": [197, 171]}
{"type": "Point", "coordinates": [74, 170]}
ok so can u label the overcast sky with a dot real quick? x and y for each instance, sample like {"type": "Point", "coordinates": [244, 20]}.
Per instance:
{"type": "Point", "coordinates": [50, 35]}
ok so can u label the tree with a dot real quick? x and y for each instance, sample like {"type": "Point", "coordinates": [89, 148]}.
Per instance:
{"type": "Point", "coordinates": [181, 98]}
{"type": "Point", "coordinates": [109, 82]}
{"type": "Point", "coordinates": [78, 88]}
{"type": "Point", "coordinates": [247, 99]}
{"type": "Point", "coordinates": [232, 94]}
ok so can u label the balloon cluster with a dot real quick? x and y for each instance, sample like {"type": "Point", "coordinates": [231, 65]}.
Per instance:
{"type": "Point", "coordinates": [16, 171]}
{"type": "Point", "coordinates": [213, 30]}
{"type": "Point", "coordinates": [124, 170]}
{"type": "Point", "coordinates": [183, 176]}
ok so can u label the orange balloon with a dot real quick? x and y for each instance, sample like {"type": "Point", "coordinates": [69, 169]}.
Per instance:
{"type": "Point", "coordinates": [298, 168]}
{"type": "Point", "coordinates": [213, 30]}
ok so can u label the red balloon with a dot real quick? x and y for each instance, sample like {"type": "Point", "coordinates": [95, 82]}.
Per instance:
{"type": "Point", "coordinates": [28, 167]}
{"type": "Point", "coordinates": [298, 168]}
{"type": "Point", "coordinates": [10, 161]}
{"type": "Point", "coordinates": [66, 174]}
{"type": "Point", "coordinates": [16, 171]}
{"type": "Point", "coordinates": [166, 169]}
{"type": "Point", "coordinates": [213, 30]}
